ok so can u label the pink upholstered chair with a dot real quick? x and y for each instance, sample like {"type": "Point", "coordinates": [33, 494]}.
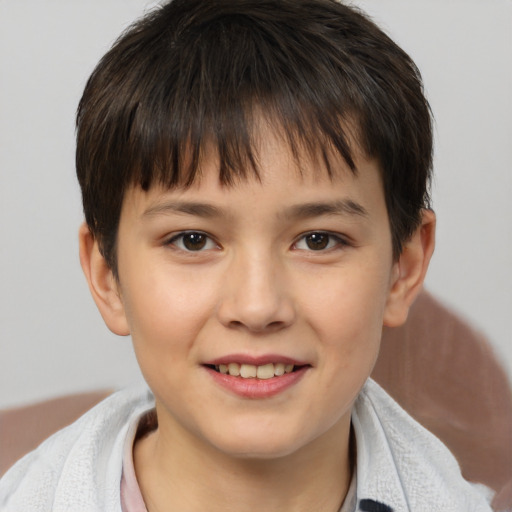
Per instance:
{"type": "Point", "coordinates": [440, 370]}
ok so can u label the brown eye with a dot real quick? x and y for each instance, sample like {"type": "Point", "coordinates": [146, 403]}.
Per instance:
{"type": "Point", "coordinates": [317, 241]}
{"type": "Point", "coordinates": [194, 241]}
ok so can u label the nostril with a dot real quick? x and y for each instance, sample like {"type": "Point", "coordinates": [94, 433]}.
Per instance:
{"type": "Point", "coordinates": [274, 326]}
{"type": "Point", "coordinates": [257, 328]}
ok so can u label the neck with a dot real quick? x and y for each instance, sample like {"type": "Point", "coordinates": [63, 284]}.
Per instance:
{"type": "Point", "coordinates": [192, 476]}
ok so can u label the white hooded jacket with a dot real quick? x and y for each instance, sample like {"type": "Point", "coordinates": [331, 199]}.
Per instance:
{"type": "Point", "coordinates": [401, 467]}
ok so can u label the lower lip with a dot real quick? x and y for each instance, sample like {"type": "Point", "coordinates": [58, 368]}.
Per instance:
{"type": "Point", "coordinates": [257, 388]}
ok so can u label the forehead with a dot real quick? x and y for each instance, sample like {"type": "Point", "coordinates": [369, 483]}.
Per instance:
{"type": "Point", "coordinates": [236, 153]}
{"type": "Point", "coordinates": [286, 179]}
{"type": "Point", "coordinates": [270, 143]}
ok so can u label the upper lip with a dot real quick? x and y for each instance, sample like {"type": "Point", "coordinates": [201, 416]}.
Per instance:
{"type": "Point", "coordinates": [255, 360]}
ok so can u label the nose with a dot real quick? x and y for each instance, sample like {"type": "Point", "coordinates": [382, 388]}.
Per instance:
{"type": "Point", "coordinates": [256, 295]}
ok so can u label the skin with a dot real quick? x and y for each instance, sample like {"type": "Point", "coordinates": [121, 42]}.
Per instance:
{"type": "Point", "coordinates": [258, 286]}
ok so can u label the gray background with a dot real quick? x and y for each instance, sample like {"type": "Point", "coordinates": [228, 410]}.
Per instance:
{"type": "Point", "coordinates": [53, 341]}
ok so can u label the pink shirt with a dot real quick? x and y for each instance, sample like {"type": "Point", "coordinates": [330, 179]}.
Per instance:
{"type": "Point", "coordinates": [131, 497]}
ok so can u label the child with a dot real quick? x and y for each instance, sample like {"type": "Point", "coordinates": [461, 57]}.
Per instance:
{"type": "Point", "coordinates": [255, 180]}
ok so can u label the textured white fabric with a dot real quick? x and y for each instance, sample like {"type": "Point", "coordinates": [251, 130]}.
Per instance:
{"type": "Point", "coordinates": [79, 468]}
{"type": "Point", "coordinates": [399, 463]}
{"type": "Point", "coordinates": [403, 465]}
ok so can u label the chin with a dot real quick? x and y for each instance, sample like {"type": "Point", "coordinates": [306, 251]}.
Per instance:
{"type": "Point", "coordinates": [262, 445]}
{"type": "Point", "coordinates": [258, 452]}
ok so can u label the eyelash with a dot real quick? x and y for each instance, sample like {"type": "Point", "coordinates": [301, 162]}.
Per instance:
{"type": "Point", "coordinates": [333, 241]}
{"type": "Point", "coordinates": [175, 241]}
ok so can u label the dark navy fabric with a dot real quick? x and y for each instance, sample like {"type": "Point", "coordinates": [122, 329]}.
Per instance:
{"type": "Point", "coordinates": [373, 506]}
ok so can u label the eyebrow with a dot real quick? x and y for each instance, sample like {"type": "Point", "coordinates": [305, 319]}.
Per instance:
{"type": "Point", "coordinates": [299, 211]}
{"type": "Point", "coordinates": [186, 207]}
{"type": "Point", "coordinates": [317, 209]}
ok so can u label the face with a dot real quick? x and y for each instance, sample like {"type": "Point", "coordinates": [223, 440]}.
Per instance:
{"type": "Point", "coordinates": [285, 281]}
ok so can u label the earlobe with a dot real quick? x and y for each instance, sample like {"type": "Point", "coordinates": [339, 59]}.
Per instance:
{"type": "Point", "coordinates": [102, 283]}
{"type": "Point", "coordinates": [409, 271]}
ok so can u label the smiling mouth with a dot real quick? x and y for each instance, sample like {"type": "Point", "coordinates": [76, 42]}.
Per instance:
{"type": "Point", "coordinates": [250, 371]}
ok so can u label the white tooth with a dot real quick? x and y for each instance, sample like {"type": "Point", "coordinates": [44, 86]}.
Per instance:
{"type": "Point", "coordinates": [265, 371]}
{"type": "Point", "coordinates": [279, 369]}
{"type": "Point", "coordinates": [248, 371]}
{"type": "Point", "coordinates": [234, 369]}
{"type": "Point", "coordinates": [288, 368]}
{"type": "Point", "coordinates": [223, 368]}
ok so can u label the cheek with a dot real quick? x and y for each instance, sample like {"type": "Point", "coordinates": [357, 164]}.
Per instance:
{"type": "Point", "coordinates": [352, 298]}
{"type": "Point", "coordinates": [346, 311]}
{"type": "Point", "coordinates": [167, 308]}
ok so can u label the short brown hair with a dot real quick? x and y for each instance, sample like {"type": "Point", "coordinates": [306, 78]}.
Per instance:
{"type": "Point", "coordinates": [197, 71]}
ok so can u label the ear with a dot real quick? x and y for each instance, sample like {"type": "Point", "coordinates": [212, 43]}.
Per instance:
{"type": "Point", "coordinates": [102, 283]}
{"type": "Point", "coordinates": [409, 271]}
